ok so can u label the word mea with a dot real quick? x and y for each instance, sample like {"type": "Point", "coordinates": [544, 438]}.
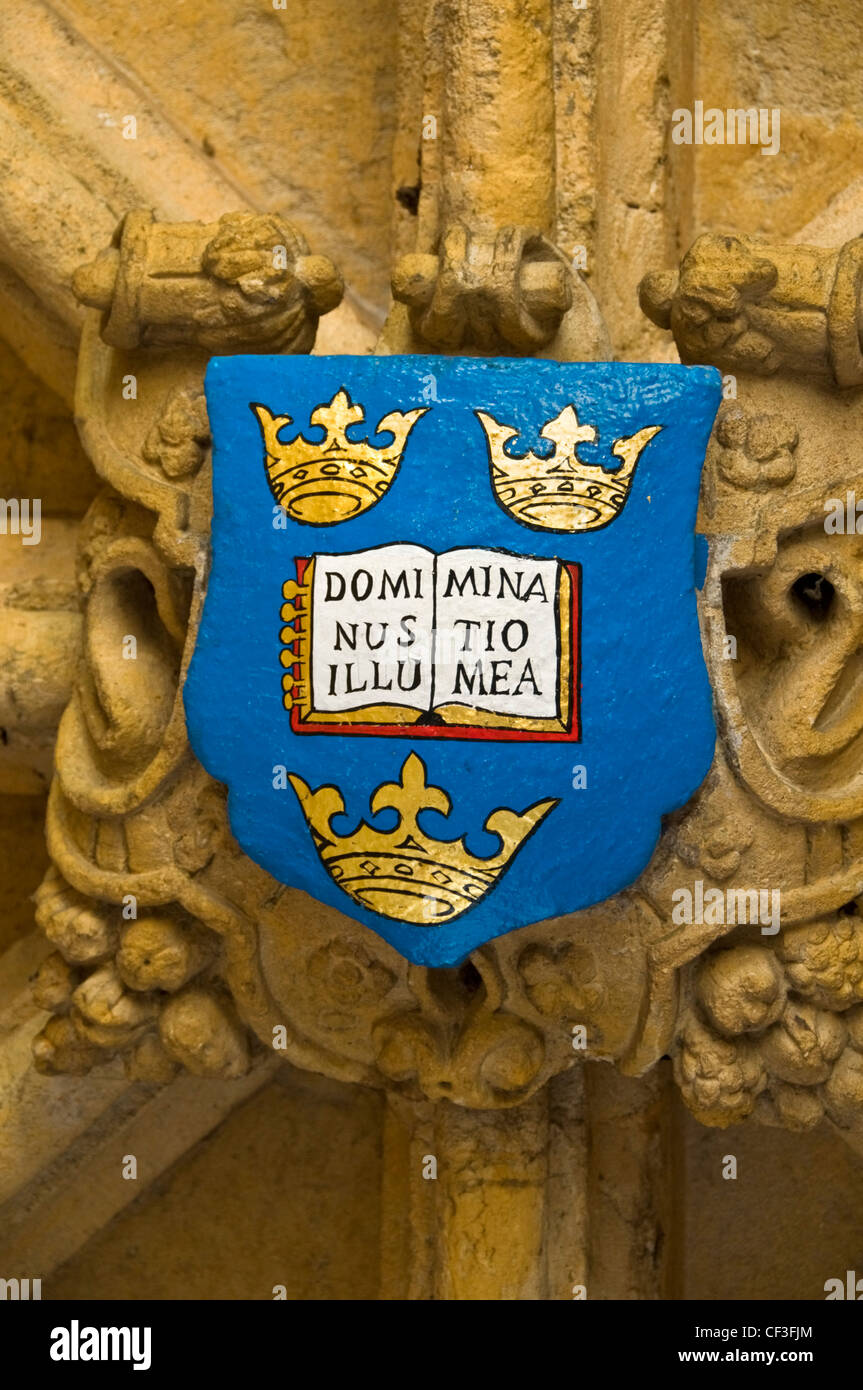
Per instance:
{"type": "Point", "coordinates": [717, 908]}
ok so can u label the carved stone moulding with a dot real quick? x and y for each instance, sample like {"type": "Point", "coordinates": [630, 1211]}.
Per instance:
{"type": "Point", "coordinates": [768, 1024]}
{"type": "Point", "coordinates": [174, 949]}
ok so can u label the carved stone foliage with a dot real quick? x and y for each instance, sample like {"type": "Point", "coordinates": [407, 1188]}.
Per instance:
{"type": "Point", "coordinates": [174, 950]}
{"type": "Point", "coordinates": [777, 1032]}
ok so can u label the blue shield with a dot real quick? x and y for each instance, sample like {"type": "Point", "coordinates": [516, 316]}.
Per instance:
{"type": "Point", "coordinates": [449, 665]}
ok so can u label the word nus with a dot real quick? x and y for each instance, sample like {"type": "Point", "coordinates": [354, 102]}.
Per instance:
{"type": "Point", "coordinates": [716, 908]}
{"type": "Point", "coordinates": [76, 1343]}
{"type": "Point", "coordinates": [21, 518]}
{"type": "Point", "coordinates": [734, 126]}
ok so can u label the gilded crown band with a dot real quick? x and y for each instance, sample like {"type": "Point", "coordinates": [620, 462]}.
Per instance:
{"type": "Point", "coordinates": [561, 492]}
{"type": "Point", "coordinates": [323, 484]}
{"type": "Point", "coordinates": [404, 873]}
{"type": "Point", "coordinates": [340, 478]}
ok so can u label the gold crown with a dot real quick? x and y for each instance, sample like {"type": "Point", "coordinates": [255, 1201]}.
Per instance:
{"type": "Point", "coordinates": [403, 873]}
{"type": "Point", "coordinates": [321, 484]}
{"type": "Point", "coordinates": [561, 493]}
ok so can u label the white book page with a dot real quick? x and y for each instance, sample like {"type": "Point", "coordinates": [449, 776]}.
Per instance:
{"type": "Point", "coordinates": [496, 640]}
{"type": "Point", "coordinates": [372, 617]}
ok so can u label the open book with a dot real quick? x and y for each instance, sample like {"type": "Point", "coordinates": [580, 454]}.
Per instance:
{"type": "Point", "coordinates": [471, 643]}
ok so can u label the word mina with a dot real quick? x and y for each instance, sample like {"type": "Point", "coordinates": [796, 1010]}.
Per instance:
{"type": "Point", "coordinates": [409, 584]}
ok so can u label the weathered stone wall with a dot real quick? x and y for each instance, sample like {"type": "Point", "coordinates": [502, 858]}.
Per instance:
{"type": "Point", "coordinates": [318, 113]}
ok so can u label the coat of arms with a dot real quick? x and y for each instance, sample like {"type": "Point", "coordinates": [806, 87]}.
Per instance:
{"type": "Point", "coordinates": [449, 665]}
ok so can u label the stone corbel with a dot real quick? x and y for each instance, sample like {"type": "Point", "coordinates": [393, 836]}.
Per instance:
{"type": "Point", "coordinates": [510, 291]}
{"type": "Point", "coordinates": [752, 306]}
{"type": "Point", "coordinates": [244, 284]}
{"type": "Point", "coordinates": [485, 275]}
